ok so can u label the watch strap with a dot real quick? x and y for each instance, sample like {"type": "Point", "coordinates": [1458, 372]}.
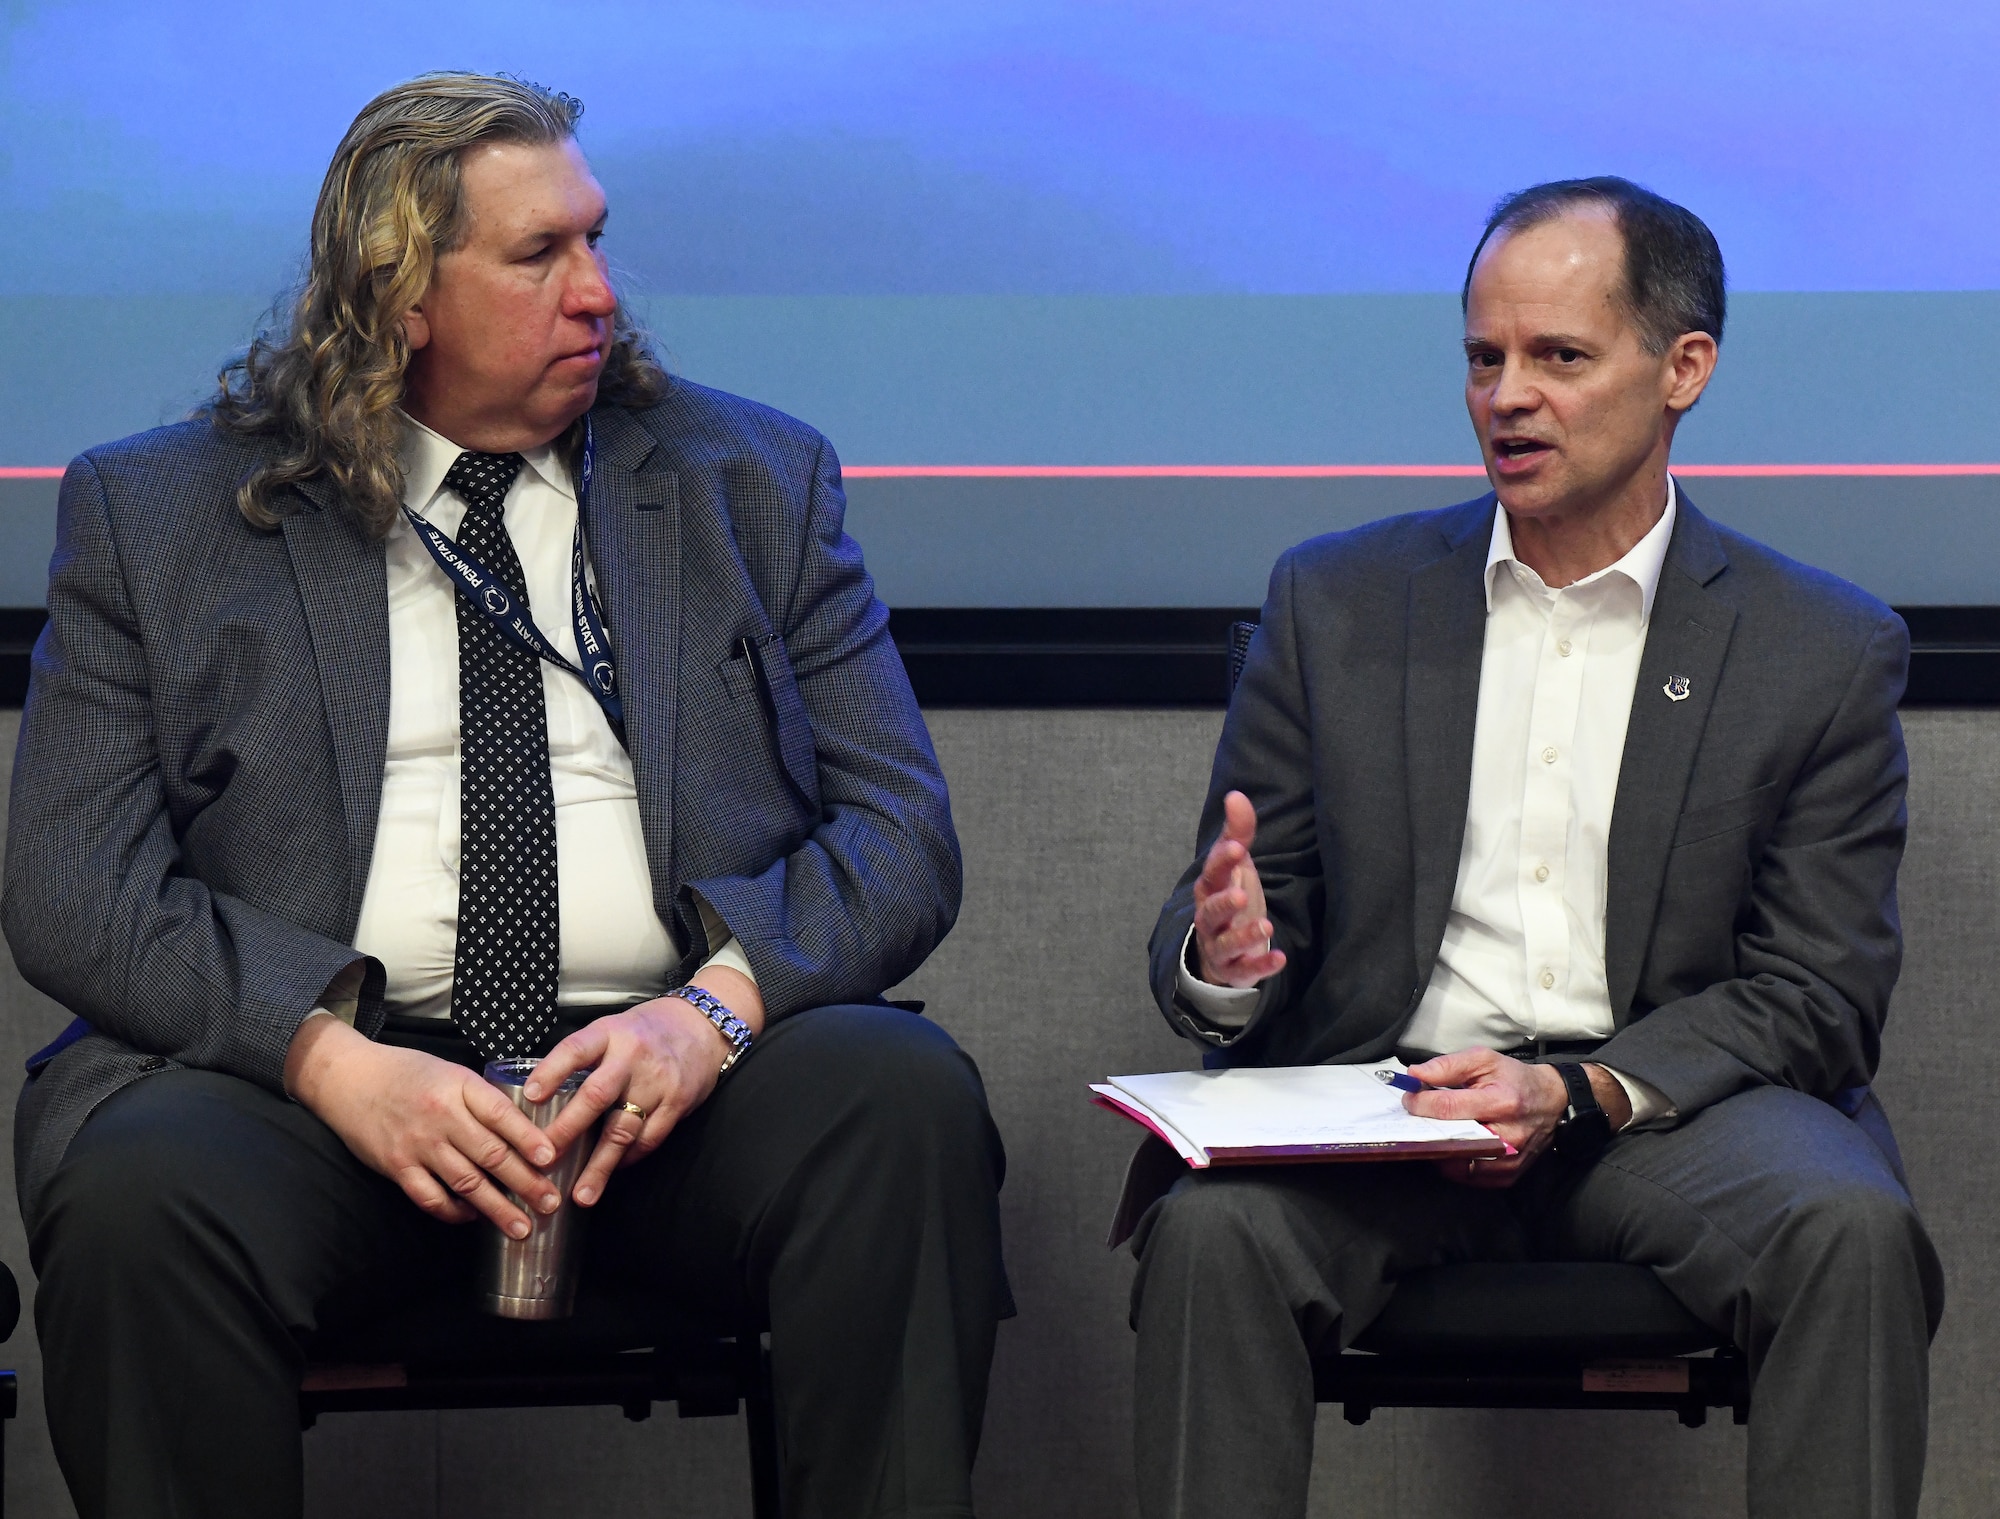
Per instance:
{"type": "Point", "coordinates": [1582, 1099]}
{"type": "Point", "coordinates": [1585, 1128]}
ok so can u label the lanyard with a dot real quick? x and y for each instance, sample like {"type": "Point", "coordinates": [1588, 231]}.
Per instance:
{"type": "Point", "coordinates": [488, 594]}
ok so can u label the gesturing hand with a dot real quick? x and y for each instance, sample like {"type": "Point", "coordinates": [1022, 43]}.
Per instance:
{"type": "Point", "coordinates": [437, 1130]}
{"type": "Point", "coordinates": [1231, 934]}
{"type": "Point", "coordinates": [662, 1056]}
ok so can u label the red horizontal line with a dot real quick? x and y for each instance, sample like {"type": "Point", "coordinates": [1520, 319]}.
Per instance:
{"type": "Point", "coordinates": [1353, 471]}
{"type": "Point", "coordinates": [1273, 471]}
{"type": "Point", "coordinates": [1768, 471]}
{"type": "Point", "coordinates": [1149, 471]}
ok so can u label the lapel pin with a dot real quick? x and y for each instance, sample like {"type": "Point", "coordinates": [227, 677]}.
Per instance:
{"type": "Point", "coordinates": [1676, 688]}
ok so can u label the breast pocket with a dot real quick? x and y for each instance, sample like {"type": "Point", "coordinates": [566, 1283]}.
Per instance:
{"type": "Point", "coordinates": [1732, 815]}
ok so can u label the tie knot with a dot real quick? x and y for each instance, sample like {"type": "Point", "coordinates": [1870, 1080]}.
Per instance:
{"type": "Point", "coordinates": [481, 480]}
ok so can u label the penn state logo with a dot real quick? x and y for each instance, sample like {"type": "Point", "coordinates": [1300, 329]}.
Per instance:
{"type": "Point", "coordinates": [1676, 688]}
{"type": "Point", "coordinates": [604, 675]}
{"type": "Point", "coordinates": [495, 599]}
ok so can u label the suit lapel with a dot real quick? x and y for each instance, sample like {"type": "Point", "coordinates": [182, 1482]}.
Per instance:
{"type": "Point", "coordinates": [1686, 640]}
{"type": "Point", "coordinates": [1447, 638]}
{"type": "Point", "coordinates": [632, 522]}
{"type": "Point", "coordinates": [343, 585]}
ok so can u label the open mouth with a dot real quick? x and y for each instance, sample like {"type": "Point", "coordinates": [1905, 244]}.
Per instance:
{"type": "Point", "coordinates": [1519, 450]}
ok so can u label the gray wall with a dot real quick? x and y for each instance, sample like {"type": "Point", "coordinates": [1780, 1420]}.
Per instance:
{"type": "Point", "coordinates": [1074, 824]}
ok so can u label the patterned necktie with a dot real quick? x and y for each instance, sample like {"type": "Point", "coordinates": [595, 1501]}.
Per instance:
{"type": "Point", "coordinates": [503, 980]}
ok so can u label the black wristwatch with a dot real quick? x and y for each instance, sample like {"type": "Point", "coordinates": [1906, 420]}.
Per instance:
{"type": "Point", "coordinates": [1584, 1129]}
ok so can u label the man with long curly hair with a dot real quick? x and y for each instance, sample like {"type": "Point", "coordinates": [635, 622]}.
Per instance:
{"type": "Point", "coordinates": [458, 685]}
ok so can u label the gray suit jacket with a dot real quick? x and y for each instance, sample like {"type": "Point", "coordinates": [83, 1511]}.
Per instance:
{"type": "Point", "coordinates": [1750, 933]}
{"type": "Point", "coordinates": [200, 766]}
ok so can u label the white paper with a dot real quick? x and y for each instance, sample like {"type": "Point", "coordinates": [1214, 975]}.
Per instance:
{"type": "Point", "coordinates": [1202, 1111]}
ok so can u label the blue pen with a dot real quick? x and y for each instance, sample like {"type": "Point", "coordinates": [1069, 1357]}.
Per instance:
{"type": "Point", "coordinates": [1400, 1081]}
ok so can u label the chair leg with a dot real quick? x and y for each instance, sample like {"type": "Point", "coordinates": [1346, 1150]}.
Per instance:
{"type": "Point", "coordinates": [10, 1396]}
{"type": "Point", "coordinates": [760, 1419]}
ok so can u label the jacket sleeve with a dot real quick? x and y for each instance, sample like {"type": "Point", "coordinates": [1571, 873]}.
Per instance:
{"type": "Point", "coordinates": [95, 904]}
{"type": "Point", "coordinates": [1266, 753]}
{"type": "Point", "coordinates": [874, 885]}
{"type": "Point", "coordinates": [1818, 942]}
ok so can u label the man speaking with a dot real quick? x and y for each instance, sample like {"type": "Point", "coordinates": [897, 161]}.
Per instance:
{"type": "Point", "coordinates": [1594, 808]}
{"type": "Point", "coordinates": [461, 677]}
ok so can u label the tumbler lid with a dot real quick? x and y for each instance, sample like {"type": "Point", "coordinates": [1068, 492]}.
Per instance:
{"type": "Point", "coordinates": [515, 1070]}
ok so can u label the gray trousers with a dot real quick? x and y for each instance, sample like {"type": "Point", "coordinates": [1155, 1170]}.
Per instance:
{"type": "Point", "coordinates": [840, 1187]}
{"type": "Point", "coordinates": [1777, 1221]}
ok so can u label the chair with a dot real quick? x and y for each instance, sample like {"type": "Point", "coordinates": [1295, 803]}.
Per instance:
{"type": "Point", "coordinates": [1533, 1334]}
{"type": "Point", "coordinates": [1536, 1334]}
{"type": "Point", "coordinates": [619, 1350]}
{"type": "Point", "coordinates": [10, 1316]}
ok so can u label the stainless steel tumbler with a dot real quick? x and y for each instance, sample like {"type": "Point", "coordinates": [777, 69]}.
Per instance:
{"type": "Point", "coordinates": [535, 1278]}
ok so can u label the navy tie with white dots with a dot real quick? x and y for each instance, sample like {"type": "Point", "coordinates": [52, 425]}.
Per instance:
{"type": "Point", "coordinates": [503, 979]}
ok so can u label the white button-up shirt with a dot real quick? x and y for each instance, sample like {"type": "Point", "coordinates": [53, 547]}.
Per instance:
{"type": "Point", "coordinates": [615, 947]}
{"type": "Point", "coordinates": [1523, 951]}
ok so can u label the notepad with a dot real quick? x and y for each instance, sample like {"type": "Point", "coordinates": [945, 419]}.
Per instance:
{"type": "Point", "coordinates": [1277, 1114]}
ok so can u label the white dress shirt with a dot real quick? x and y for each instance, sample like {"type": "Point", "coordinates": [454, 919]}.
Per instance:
{"type": "Point", "coordinates": [1523, 951]}
{"type": "Point", "coordinates": [614, 945]}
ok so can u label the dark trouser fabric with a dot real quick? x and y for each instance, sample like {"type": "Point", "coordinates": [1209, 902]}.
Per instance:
{"type": "Point", "coordinates": [841, 1187]}
{"type": "Point", "coordinates": [1774, 1218]}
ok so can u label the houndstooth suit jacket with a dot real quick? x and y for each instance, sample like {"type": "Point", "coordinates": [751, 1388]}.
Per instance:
{"type": "Point", "coordinates": [200, 765]}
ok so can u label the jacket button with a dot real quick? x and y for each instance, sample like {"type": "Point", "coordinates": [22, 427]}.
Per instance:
{"type": "Point", "coordinates": [153, 1063]}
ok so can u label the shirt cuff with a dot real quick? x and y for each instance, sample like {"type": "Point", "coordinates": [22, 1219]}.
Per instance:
{"type": "Point", "coordinates": [723, 948]}
{"type": "Point", "coordinates": [342, 997]}
{"type": "Point", "coordinates": [1224, 1006]}
{"type": "Point", "coordinates": [1649, 1103]}
{"type": "Point", "coordinates": [731, 957]}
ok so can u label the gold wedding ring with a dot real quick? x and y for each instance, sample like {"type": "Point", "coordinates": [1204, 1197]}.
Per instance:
{"type": "Point", "coordinates": [634, 1109]}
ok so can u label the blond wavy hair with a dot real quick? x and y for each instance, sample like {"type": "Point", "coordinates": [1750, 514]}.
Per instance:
{"type": "Point", "coordinates": [326, 384]}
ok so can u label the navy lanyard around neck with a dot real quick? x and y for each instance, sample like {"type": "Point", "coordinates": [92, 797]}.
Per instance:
{"type": "Point", "coordinates": [487, 594]}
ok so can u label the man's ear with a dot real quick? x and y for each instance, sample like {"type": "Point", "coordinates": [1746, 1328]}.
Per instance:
{"type": "Point", "coordinates": [1690, 365]}
{"type": "Point", "coordinates": [416, 328]}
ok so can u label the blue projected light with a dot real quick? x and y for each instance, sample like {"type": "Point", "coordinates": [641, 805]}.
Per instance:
{"type": "Point", "coordinates": [1032, 146]}
{"type": "Point", "coordinates": [1045, 238]}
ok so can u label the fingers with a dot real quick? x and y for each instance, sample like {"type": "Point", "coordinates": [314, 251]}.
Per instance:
{"type": "Point", "coordinates": [486, 1103]}
{"type": "Point", "coordinates": [1231, 848]}
{"type": "Point", "coordinates": [1226, 926]}
{"type": "Point", "coordinates": [457, 1189]}
{"type": "Point", "coordinates": [1480, 1104]}
{"type": "Point", "coordinates": [602, 1088]}
{"type": "Point", "coordinates": [424, 1190]}
{"type": "Point", "coordinates": [1239, 819]}
{"type": "Point", "coordinates": [619, 1141]}
{"type": "Point", "coordinates": [1487, 1174]}
{"type": "Point", "coordinates": [1460, 1068]}
{"type": "Point", "coordinates": [496, 1158]}
{"type": "Point", "coordinates": [1243, 970]}
{"type": "Point", "coordinates": [1218, 871]}
{"type": "Point", "coordinates": [1475, 1083]}
{"type": "Point", "coordinates": [583, 1048]}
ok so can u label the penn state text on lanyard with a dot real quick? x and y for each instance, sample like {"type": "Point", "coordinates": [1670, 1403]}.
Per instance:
{"type": "Point", "coordinates": [486, 593]}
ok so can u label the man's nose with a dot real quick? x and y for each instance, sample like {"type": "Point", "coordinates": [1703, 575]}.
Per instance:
{"type": "Point", "coordinates": [590, 293]}
{"type": "Point", "coordinates": [1514, 391]}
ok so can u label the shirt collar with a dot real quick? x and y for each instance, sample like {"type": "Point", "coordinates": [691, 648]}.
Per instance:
{"type": "Point", "coordinates": [427, 456]}
{"type": "Point", "coordinates": [1641, 565]}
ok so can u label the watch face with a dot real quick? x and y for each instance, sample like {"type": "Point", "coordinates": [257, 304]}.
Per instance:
{"type": "Point", "coordinates": [1583, 1136]}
